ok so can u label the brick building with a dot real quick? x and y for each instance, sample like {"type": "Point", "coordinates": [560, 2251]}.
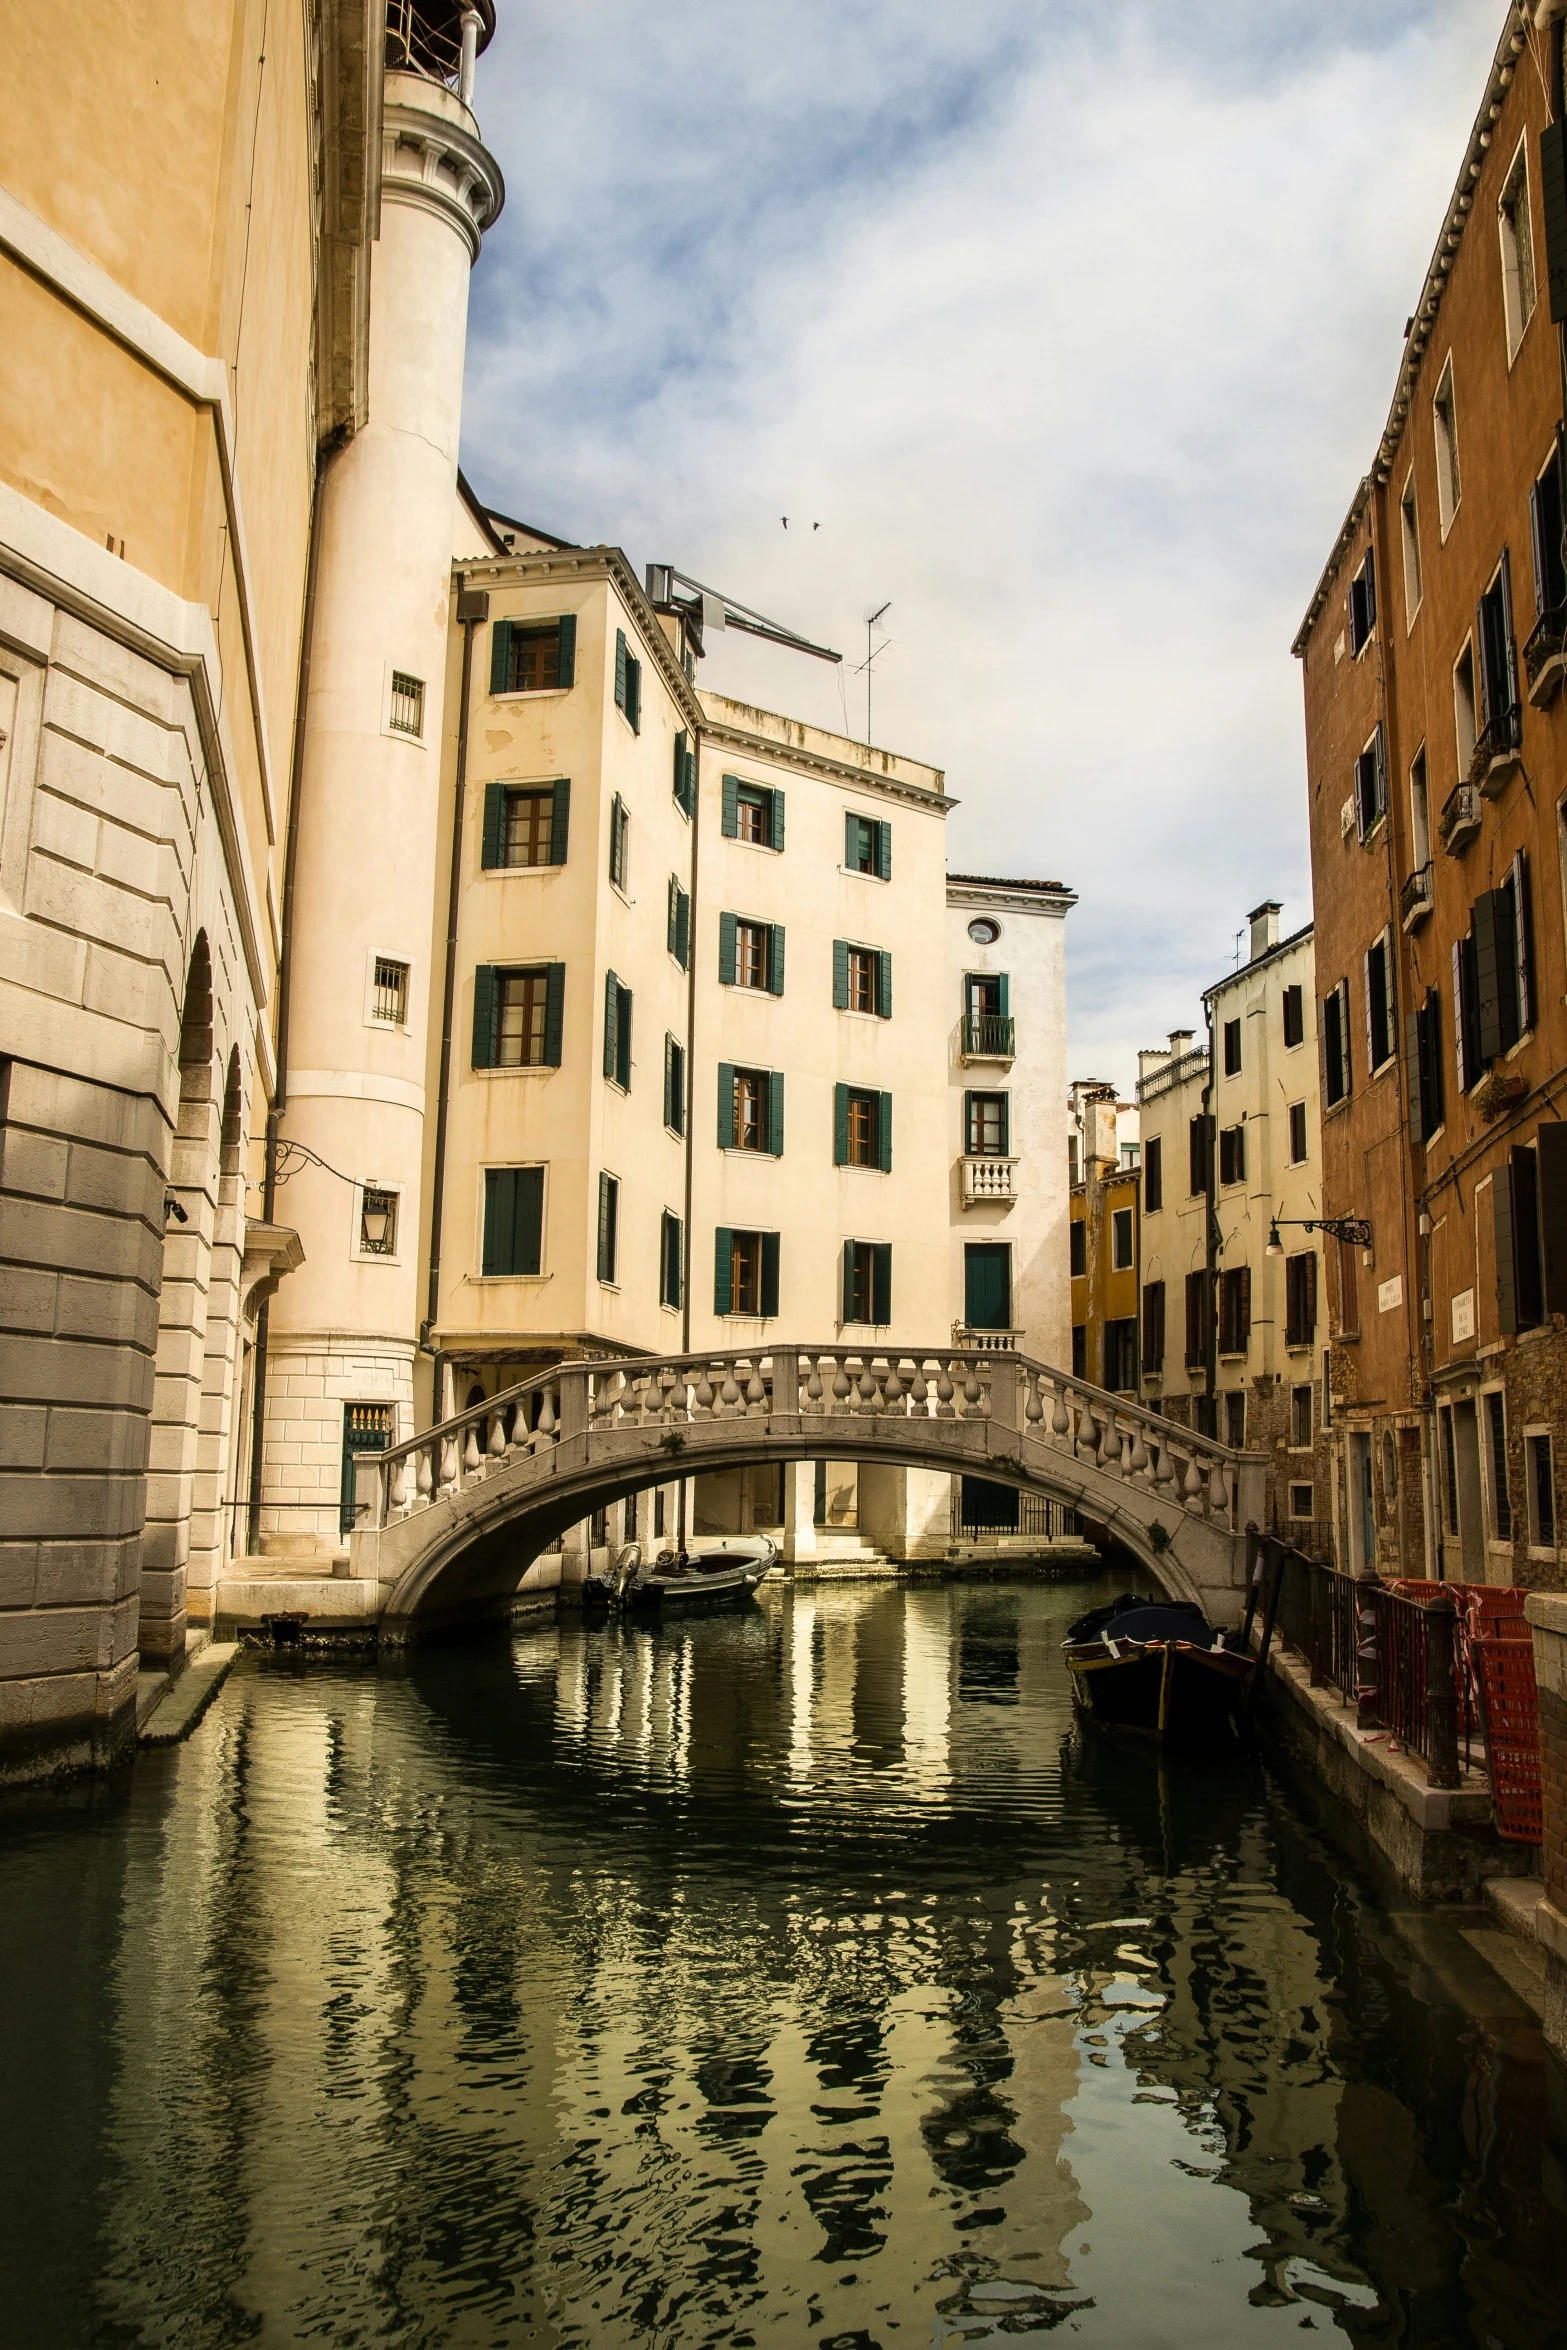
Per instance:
{"type": "Point", "coordinates": [1436, 734]}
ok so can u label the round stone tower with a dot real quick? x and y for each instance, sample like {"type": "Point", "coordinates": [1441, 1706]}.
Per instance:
{"type": "Point", "coordinates": [343, 1333]}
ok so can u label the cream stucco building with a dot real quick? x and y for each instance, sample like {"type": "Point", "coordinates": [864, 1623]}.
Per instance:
{"type": "Point", "coordinates": [1233, 1320]}
{"type": "Point", "coordinates": [408, 974]}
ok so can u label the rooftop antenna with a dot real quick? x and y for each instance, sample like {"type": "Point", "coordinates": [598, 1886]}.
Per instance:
{"type": "Point", "coordinates": [1239, 935]}
{"type": "Point", "coordinates": [871, 618]}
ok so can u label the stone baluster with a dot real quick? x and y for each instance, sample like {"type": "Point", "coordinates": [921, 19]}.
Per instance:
{"type": "Point", "coordinates": [398, 1497]}
{"type": "Point", "coordinates": [729, 1395]}
{"type": "Point", "coordinates": [840, 1384]}
{"type": "Point", "coordinates": [919, 1393]}
{"type": "Point", "coordinates": [470, 1450]}
{"type": "Point", "coordinates": [892, 1388]}
{"type": "Point", "coordinates": [497, 1443]}
{"type": "Point", "coordinates": [755, 1394]}
{"type": "Point", "coordinates": [1033, 1408]}
{"type": "Point", "coordinates": [1218, 1491]}
{"type": "Point", "coordinates": [944, 1391]}
{"type": "Point", "coordinates": [424, 1474]}
{"type": "Point", "coordinates": [1060, 1417]}
{"type": "Point", "coordinates": [869, 1401]}
{"type": "Point", "coordinates": [973, 1394]}
{"type": "Point", "coordinates": [1137, 1456]}
{"type": "Point", "coordinates": [813, 1387]}
{"type": "Point", "coordinates": [704, 1394]}
{"type": "Point", "coordinates": [1110, 1449]}
{"type": "Point", "coordinates": [1087, 1447]}
{"type": "Point", "coordinates": [1191, 1490]}
{"type": "Point", "coordinates": [544, 1433]}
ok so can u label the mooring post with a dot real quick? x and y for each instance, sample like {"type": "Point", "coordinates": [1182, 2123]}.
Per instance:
{"type": "Point", "coordinates": [1253, 1578]}
{"type": "Point", "coordinates": [1441, 1616]}
{"type": "Point", "coordinates": [1368, 1651]}
{"type": "Point", "coordinates": [1273, 1556]}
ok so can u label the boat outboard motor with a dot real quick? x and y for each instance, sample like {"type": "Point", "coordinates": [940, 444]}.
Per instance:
{"type": "Point", "coordinates": [628, 1566]}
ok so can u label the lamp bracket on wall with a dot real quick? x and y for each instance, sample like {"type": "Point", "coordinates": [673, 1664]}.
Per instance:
{"type": "Point", "coordinates": [1354, 1231]}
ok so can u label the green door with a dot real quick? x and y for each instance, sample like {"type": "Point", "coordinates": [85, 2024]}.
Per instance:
{"type": "Point", "coordinates": [367, 1427]}
{"type": "Point", "coordinates": [987, 1284]}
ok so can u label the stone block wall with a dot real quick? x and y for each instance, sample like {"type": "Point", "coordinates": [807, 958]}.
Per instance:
{"type": "Point", "coordinates": [311, 1376]}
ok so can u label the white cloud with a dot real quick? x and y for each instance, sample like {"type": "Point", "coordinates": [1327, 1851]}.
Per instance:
{"type": "Point", "coordinates": [1073, 330]}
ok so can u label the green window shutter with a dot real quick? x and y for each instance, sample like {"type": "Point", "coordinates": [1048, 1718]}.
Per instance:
{"type": "Point", "coordinates": [881, 1281]}
{"type": "Point", "coordinates": [669, 1261]}
{"type": "Point", "coordinates": [680, 1089]}
{"type": "Point", "coordinates": [726, 950]}
{"type": "Point", "coordinates": [500, 1215]}
{"type": "Point", "coordinates": [1506, 1276]}
{"type": "Point", "coordinates": [775, 1107]}
{"type": "Point", "coordinates": [611, 1022]}
{"type": "Point", "coordinates": [840, 971]}
{"type": "Point", "coordinates": [775, 820]}
{"type": "Point", "coordinates": [769, 1275]}
{"type": "Point", "coordinates": [731, 808]}
{"type": "Point", "coordinates": [567, 672]}
{"type": "Point", "coordinates": [554, 1012]}
{"type": "Point", "coordinates": [775, 958]}
{"type": "Point", "coordinates": [851, 842]}
{"type": "Point", "coordinates": [606, 1247]}
{"type": "Point", "coordinates": [484, 1015]}
{"type": "Point", "coordinates": [620, 668]}
{"type": "Point", "coordinates": [500, 657]}
{"type": "Point", "coordinates": [968, 1125]}
{"type": "Point", "coordinates": [884, 984]}
{"type": "Point", "coordinates": [1001, 1005]}
{"type": "Point", "coordinates": [669, 925]}
{"type": "Point", "coordinates": [528, 1227]}
{"type": "Point", "coordinates": [1006, 1124]}
{"type": "Point", "coordinates": [848, 1281]}
{"type": "Point", "coordinates": [883, 852]}
{"type": "Point", "coordinates": [726, 1105]}
{"type": "Point", "coordinates": [634, 695]}
{"type": "Point", "coordinates": [840, 1126]}
{"type": "Point", "coordinates": [683, 929]}
{"type": "Point", "coordinates": [623, 1040]}
{"type": "Point", "coordinates": [680, 770]}
{"type": "Point", "coordinates": [723, 1268]}
{"type": "Point", "coordinates": [884, 1140]}
{"type": "Point", "coordinates": [560, 819]}
{"type": "Point", "coordinates": [494, 846]}
{"type": "Point", "coordinates": [617, 840]}
{"type": "Point", "coordinates": [669, 1076]}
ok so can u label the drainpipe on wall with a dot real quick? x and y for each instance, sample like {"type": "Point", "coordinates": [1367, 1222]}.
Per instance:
{"type": "Point", "coordinates": [473, 609]}
{"type": "Point", "coordinates": [690, 1169]}
{"type": "Point", "coordinates": [258, 1384]}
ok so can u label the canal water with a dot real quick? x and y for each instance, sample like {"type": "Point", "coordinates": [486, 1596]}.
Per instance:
{"type": "Point", "coordinates": [801, 1977]}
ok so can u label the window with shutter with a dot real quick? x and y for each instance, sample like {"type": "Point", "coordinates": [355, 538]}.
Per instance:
{"type": "Point", "coordinates": [769, 1275]}
{"type": "Point", "coordinates": [1153, 1326]}
{"type": "Point", "coordinates": [1380, 1022]}
{"type": "Point", "coordinates": [775, 958]}
{"type": "Point", "coordinates": [532, 657]}
{"type": "Point", "coordinates": [1294, 1017]}
{"type": "Point", "coordinates": [1232, 1154]}
{"type": "Point", "coordinates": [671, 1286]}
{"type": "Point", "coordinates": [609, 1227]}
{"type": "Point", "coordinates": [484, 979]}
{"type": "Point", "coordinates": [723, 1270]}
{"type": "Point", "coordinates": [1362, 605]}
{"type": "Point", "coordinates": [633, 694]}
{"type": "Point", "coordinates": [987, 1121]}
{"type": "Point", "coordinates": [1298, 1134]}
{"type": "Point", "coordinates": [1153, 1174]}
{"type": "Point", "coordinates": [883, 984]}
{"type": "Point", "coordinates": [728, 932]}
{"type": "Point", "coordinates": [1196, 1319]}
{"type": "Point", "coordinates": [1198, 1145]}
{"type": "Point", "coordinates": [729, 807]}
{"type": "Point", "coordinates": [841, 978]}
{"type": "Point", "coordinates": [751, 1109]}
{"type": "Point", "coordinates": [1232, 1048]}
{"type": "Point", "coordinates": [554, 1012]}
{"type": "Point", "coordinates": [619, 826]}
{"type": "Point", "coordinates": [622, 657]}
{"type": "Point", "coordinates": [513, 1222]}
{"type": "Point", "coordinates": [674, 1086]}
{"type": "Point", "coordinates": [685, 773]}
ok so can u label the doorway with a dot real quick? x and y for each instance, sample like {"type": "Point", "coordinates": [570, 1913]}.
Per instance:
{"type": "Point", "coordinates": [987, 1284]}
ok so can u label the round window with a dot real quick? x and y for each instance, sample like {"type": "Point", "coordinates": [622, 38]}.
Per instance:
{"type": "Point", "coordinates": [983, 933]}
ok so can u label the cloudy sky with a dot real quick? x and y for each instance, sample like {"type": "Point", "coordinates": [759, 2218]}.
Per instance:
{"type": "Point", "coordinates": [1072, 326]}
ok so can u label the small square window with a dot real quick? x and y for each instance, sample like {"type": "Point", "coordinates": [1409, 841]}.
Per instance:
{"type": "Point", "coordinates": [407, 715]}
{"type": "Point", "coordinates": [389, 1000]}
{"type": "Point", "coordinates": [1303, 1501]}
{"type": "Point", "coordinates": [533, 665]}
{"type": "Point", "coordinates": [378, 1223]}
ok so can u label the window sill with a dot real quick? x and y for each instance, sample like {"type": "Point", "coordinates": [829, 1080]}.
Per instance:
{"type": "Point", "coordinates": [518, 1069]}
{"type": "Point", "coordinates": [389, 1027]}
{"type": "Point", "coordinates": [372, 1256]}
{"type": "Point", "coordinates": [763, 847]}
{"type": "Point", "coordinates": [1337, 1109]}
{"type": "Point", "coordinates": [510, 872]}
{"type": "Point", "coordinates": [858, 873]}
{"type": "Point", "coordinates": [744, 1150]}
{"type": "Point", "coordinates": [532, 693]}
{"type": "Point", "coordinates": [488, 1280]}
{"type": "Point", "coordinates": [1383, 1068]}
{"type": "Point", "coordinates": [859, 1167]}
{"type": "Point", "coordinates": [850, 1013]}
{"type": "Point", "coordinates": [1303, 1346]}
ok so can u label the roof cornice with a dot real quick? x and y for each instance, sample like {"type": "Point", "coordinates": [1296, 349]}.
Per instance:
{"type": "Point", "coordinates": [591, 563]}
{"type": "Point", "coordinates": [1022, 898]}
{"type": "Point", "coordinates": [1509, 49]}
{"type": "Point", "coordinates": [758, 746]}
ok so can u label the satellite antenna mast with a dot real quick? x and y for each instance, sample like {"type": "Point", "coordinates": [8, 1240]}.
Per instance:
{"type": "Point", "coordinates": [871, 618]}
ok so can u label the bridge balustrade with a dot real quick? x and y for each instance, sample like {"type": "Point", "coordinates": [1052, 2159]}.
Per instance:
{"type": "Point", "coordinates": [825, 1385]}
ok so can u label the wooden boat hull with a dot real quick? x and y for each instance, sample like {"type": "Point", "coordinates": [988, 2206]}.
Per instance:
{"type": "Point", "coordinates": [722, 1572]}
{"type": "Point", "coordinates": [1166, 1690]}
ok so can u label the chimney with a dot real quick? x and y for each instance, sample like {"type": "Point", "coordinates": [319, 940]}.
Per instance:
{"type": "Point", "coordinates": [1180, 1043]}
{"type": "Point", "coordinates": [1264, 927]}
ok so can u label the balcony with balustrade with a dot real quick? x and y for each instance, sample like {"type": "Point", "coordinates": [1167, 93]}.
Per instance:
{"type": "Point", "coordinates": [1416, 898]}
{"type": "Point", "coordinates": [988, 1181]}
{"type": "Point", "coordinates": [1545, 656]}
{"type": "Point", "coordinates": [1460, 818]}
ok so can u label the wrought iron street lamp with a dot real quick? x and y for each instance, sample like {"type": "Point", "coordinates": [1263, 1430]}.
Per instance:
{"type": "Point", "coordinates": [1352, 1229]}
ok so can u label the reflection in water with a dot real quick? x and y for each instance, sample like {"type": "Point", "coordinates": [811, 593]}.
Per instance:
{"type": "Point", "coordinates": [800, 1976]}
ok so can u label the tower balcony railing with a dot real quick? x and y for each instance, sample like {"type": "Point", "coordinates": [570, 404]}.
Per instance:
{"type": "Point", "coordinates": [987, 1036]}
{"type": "Point", "coordinates": [438, 40]}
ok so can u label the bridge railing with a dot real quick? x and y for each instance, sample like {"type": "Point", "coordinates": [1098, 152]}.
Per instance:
{"type": "Point", "coordinates": [1194, 1473]}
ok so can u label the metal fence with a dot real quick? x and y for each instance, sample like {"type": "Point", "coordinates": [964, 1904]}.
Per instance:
{"type": "Point", "coordinates": [1037, 1516]}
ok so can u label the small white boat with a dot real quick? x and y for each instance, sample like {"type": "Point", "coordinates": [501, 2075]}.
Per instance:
{"type": "Point", "coordinates": [717, 1570]}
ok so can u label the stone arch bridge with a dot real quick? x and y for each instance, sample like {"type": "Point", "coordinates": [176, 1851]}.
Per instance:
{"type": "Point", "coordinates": [448, 1523]}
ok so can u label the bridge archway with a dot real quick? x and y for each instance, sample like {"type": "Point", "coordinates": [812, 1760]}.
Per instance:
{"type": "Point", "coordinates": [449, 1523]}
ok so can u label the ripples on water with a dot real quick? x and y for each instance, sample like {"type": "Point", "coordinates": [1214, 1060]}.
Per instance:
{"type": "Point", "coordinates": [800, 1977]}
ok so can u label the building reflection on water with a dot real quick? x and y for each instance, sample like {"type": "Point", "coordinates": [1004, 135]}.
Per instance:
{"type": "Point", "coordinates": [801, 1971]}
